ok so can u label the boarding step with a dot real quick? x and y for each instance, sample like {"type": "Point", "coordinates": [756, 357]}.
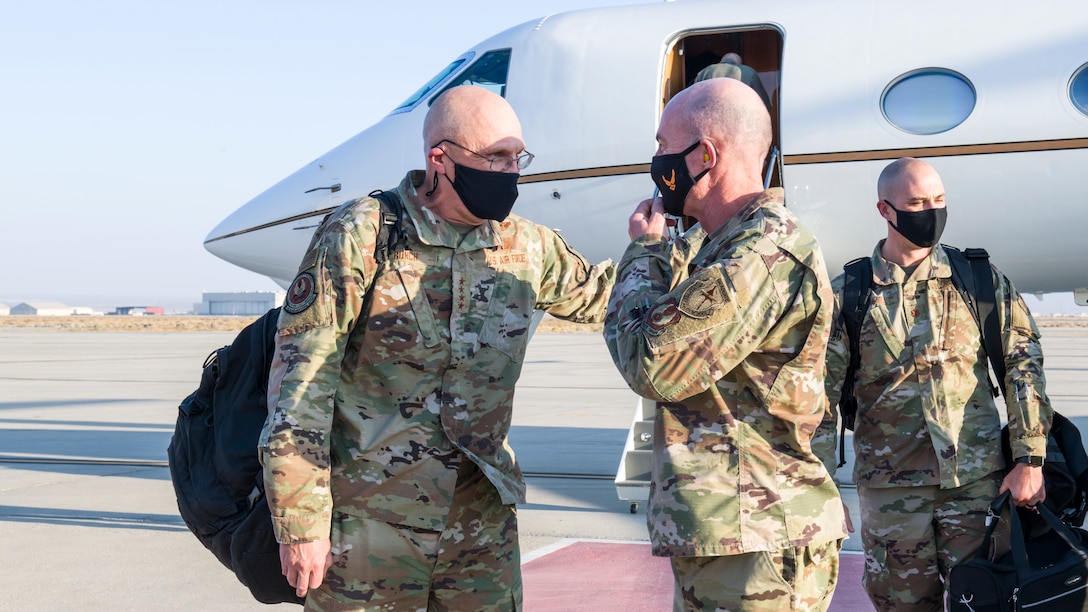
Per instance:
{"type": "Point", "coordinates": [633, 474]}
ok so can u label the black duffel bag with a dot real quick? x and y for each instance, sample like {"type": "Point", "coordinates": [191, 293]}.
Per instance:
{"type": "Point", "coordinates": [1047, 573]}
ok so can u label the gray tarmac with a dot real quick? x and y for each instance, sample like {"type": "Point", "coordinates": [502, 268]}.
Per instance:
{"type": "Point", "coordinates": [88, 517]}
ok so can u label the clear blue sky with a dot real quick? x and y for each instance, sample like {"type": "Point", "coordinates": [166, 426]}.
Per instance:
{"type": "Point", "coordinates": [129, 129]}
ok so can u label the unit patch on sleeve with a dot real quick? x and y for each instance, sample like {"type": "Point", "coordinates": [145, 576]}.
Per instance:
{"type": "Point", "coordinates": [661, 317]}
{"type": "Point", "coordinates": [704, 296]}
{"type": "Point", "coordinates": [302, 293]}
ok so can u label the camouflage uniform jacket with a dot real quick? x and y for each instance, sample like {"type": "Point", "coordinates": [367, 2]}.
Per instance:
{"type": "Point", "coordinates": [374, 396]}
{"type": "Point", "coordinates": [925, 412]}
{"type": "Point", "coordinates": [730, 343]}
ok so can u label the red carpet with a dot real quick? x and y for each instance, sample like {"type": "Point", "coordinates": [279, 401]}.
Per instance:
{"type": "Point", "coordinates": [607, 576]}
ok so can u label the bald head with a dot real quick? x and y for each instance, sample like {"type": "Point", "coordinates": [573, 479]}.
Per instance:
{"type": "Point", "coordinates": [729, 113]}
{"type": "Point", "coordinates": [901, 173]}
{"type": "Point", "coordinates": [470, 116]}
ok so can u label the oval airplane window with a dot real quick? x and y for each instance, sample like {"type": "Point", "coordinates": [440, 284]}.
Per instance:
{"type": "Point", "coordinates": [431, 84]}
{"type": "Point", "coordinates": [1078, 89]}
{"type": "Point", "coordinates": [928, 101]}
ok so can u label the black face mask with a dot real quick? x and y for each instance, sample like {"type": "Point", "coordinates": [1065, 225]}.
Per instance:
{"type": "Point", "coordinates": [670, 174]}
{"type": "Point", "coordinates": [486, 194]}
{"type": "Point", "coordinates": [922, 228]}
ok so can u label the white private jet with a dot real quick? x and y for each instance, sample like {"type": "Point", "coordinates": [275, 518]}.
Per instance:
{"type": "Point", "coordinates": [993, 93]}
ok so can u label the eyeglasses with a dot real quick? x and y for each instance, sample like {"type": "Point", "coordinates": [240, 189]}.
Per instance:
{"type": "Point", "coordinates": [498, 163]}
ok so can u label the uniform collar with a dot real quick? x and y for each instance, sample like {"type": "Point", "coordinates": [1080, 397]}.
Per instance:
{"type": "Point", "coordinates": [435, 231]}
{"type": "Point", "coordinates": [770, 197]}
{"type": "Point", "coordinates": [936, 265]}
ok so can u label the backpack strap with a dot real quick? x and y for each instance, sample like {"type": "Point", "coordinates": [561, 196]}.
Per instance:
{"type": "Point", "coordinates": [975, 282]}
{"type": "Point", "coordinates": [391, 236]}
{"type": "Point", "coordinates": [987, 312]}
{"type": "Point", "coordinates": [857, 294]}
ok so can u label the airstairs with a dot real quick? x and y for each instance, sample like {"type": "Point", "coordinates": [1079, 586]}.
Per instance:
{"type": "Point", "coordinates": [633, 474]}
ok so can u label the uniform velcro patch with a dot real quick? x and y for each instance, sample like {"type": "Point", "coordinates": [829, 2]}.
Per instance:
{"type": "Point", "coordinates": [704, 295]}
{"type": "Point", "coordinates": [661, 317]}
{"type": "Point", "coordinates": [705, 303]}
{"type": "Point", "coordinates": [302, 293]}
{"type": "Point", "coordinates": [302, 306]}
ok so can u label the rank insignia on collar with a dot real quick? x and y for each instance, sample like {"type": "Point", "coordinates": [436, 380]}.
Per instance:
{"type": "Point", "coordinates": [704, 296]}
{"type": "Point", "coordinates": [301, 294]}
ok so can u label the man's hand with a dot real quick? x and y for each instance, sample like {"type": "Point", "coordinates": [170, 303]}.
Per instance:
{"type": "Point", "coordinates": [648, 218]}
{"type": "Point", "coordinates": [849, 524]}
{"type": "Point", "coordinates": [1026, 485]}
{"type": "Point", "coordinates": [305, 564]}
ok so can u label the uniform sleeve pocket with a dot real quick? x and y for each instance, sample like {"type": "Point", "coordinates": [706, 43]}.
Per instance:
{"type": "Point", "coordinates": [1021, 322]}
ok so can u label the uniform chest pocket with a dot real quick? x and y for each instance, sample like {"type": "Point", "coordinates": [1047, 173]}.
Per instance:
{"type": "Point", "coordinates": [509, 316]}
{"type": "Point", "coordinates": [882, 350]}
{"type": "Point", "coordinates": [399, 319]}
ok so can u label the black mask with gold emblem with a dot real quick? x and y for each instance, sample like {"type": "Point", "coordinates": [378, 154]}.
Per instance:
{"type": "Point", "coordinates": [670, 174]}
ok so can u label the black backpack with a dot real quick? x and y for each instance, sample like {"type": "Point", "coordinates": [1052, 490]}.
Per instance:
{"type": "Point", "coordinates": [1065, 470]}
{"type": "Point", "coordinates": [213, 457]}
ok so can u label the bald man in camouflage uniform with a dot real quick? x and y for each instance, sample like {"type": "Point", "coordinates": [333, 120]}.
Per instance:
{"type": "Point", "coordinates": [927, 433]}
{"type": "Point", "coordinates": [726, 329]}
{"type": "Point", "coordinates": [386, 455]}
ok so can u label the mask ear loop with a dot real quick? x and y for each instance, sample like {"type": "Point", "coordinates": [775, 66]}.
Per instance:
{"type": "Point", "coordinates": [433, 187]}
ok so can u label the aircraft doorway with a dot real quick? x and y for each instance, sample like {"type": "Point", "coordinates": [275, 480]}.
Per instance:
{"type": "Point", "coordinates": [758, 47]}
{"type": "Point", "coordinates": [761, 49]}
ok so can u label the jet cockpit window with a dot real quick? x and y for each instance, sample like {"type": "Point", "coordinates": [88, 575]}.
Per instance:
{"type": "Point", "coordinates": [1078, 89]}
{"type": "Point", "coordinates": [928, 101]}
{"type": "Point", "coordinates": [422, 92]}
{"type": "Point", "coordinates": [489, 72]}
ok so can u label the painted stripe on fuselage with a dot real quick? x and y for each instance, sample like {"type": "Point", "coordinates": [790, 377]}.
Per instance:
{"type": "Point", "coordinates": [564, 175]}
{"type": "Point", "coordinates": [949, 151]}
{"type": "Point", "coordinates": [789, 160]}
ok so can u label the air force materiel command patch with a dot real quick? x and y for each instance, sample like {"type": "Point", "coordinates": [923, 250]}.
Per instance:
{"type": "Point", "coordinates": [704, 296]}
{"type": "Point", "coordinates": [301, 294]}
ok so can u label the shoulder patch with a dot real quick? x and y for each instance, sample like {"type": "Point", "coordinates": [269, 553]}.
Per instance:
{"type": "Point", "coordinates": [302, 293]}
{"type": "Point", "coordinates": [704, 296]}
{"type": "Point", "coordinates": [661, 317]}
{"type": "Point", "coordinates": [706, 301]}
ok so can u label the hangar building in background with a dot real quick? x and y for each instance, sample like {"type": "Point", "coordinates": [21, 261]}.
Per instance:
{"type": "Point", "coordinates": [49, 309]}
{"type": "Point", "coordinates": [239, 303]}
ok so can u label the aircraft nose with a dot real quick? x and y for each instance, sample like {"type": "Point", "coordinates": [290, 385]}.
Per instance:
{"type": "Point", "coordinates": [268, 234]}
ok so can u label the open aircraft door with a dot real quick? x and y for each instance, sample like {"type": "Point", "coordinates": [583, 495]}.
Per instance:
{"type": "Point", "coordinates": [760, 47]}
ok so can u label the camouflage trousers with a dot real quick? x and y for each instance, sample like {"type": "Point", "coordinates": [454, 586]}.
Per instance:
{"type": "Point", "coordinates": [474, 564]}
{"type": "Point", "coordinates": [912, 537]}
{"type": "Point", "coordinates": [801, 579]}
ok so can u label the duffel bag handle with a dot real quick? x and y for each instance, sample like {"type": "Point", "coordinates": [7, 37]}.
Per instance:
{"type": "Point", "coordinates": [1016, 533]}
{"type": "Point", "coordinates": [1061, 529]}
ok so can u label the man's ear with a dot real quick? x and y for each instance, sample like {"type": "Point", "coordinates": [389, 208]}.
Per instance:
{"type": "Point", "coordinates": [435, 158]}
{"type": "Point", "coordinates": [884, 210]}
